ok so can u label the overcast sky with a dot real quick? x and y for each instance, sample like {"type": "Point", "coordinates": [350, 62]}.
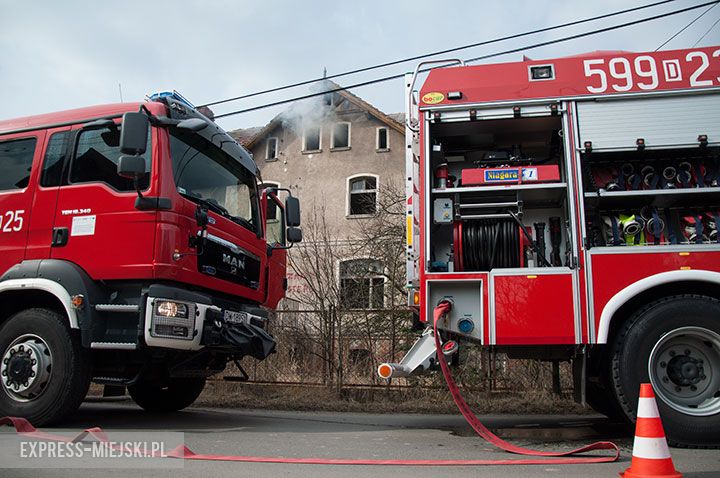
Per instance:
{"type": "Point", "coordinates": [66, 54]}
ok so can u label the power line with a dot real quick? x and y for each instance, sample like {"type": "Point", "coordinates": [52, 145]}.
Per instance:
{"type": "Point", "coordinates": [440, 52]}
{"type": "Point", "coordinates": [685, 27]}
{"type": "Point", "coordinates": [484, 57]}
{"type": "Point", "coordinates": [706, 33]}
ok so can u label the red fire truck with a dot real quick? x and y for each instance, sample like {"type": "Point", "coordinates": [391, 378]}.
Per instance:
{"type": "Point", "coordinates": [137, 251]}
{"type": "Point", "coordinates": [568, 209]}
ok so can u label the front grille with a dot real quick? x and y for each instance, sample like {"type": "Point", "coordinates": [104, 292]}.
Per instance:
{"type": "Point", "coordinates": [220, 261]}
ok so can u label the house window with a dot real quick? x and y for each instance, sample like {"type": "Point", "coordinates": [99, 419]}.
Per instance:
{"type": "Point", "coordinates": [362, 195]}
{"type": "Point", "coordinates": [271, 150]}
{"type": "Point", "coordinates": [382, 140]}
{"type": "Point", "coordinates": [362, 285]}
{"type": "Point", "coordinates": [340, 136]}
{"type": "Point", "coordinates": [311, 138]}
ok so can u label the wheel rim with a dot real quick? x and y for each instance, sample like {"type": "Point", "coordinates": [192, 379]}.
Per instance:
{"type": "Point", "coordinates": [25, 368]}
{"type": "Point", "coordinates": [684, 370]}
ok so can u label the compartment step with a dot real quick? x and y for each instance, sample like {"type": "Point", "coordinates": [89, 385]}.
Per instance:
{"type": "Point", "coordinates": [117, 308]}
{"type": "Point", "coordinates": [113, 346]}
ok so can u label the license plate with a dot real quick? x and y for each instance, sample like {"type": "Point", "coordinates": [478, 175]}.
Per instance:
{"type": "Point", "coordinates": [234, 317]}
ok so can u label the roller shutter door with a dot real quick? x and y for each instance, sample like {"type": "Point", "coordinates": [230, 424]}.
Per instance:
{"type": "Point", "coordinates": [665, 122]}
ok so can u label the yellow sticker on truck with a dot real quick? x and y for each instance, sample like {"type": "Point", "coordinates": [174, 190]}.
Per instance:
{"type": "Point", "coordinates": [432, 98]}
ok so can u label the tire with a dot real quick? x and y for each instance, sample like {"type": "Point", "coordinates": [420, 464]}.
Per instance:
{"type": "Point", "coordinates": [44, 371]}
{"type": "Point", "coordinates": [673, 343]}
{"type": "Point", "coordinates": [603, 400]}
{"type": "Point", "coordinates": [599, 393]}
{"type": "Point", "coordinates": [177, 394]}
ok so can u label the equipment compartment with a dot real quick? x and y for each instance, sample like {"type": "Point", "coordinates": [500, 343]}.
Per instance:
{"type": "Point", "coordinates": [499, 197]}
{"type": "Point", "coordinates": [551, 321]}
{"type": "Point", "coordinates": [652, 197]}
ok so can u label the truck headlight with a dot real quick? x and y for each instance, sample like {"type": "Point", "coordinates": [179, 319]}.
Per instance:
{"type": "Point", "coordinates": [173, 320]}
{"type": "Point", "coordinates": [167, 308]}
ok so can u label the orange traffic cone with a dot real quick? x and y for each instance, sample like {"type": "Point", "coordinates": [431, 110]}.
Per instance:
{"type": "Point", "coordinates": [651, 456]}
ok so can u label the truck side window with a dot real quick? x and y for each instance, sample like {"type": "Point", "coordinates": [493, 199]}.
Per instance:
{"type": "Point", "coordinates": [54, 160]}
{"type": "Point", "coordinates": [16, 162]}
{"type": "Point", "coordinates": [96, 159]}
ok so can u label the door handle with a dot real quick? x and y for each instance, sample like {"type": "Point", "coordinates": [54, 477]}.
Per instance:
{"type": "Point", "coordinates": [60, 236]}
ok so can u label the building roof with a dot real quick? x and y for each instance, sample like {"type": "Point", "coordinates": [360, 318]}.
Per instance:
{"type": "Point", "coordinates": [393, 121]}
{"type": "Point", "coordinates": [245, 136]}
{"type": "Point", "coordinates": [399, 117]}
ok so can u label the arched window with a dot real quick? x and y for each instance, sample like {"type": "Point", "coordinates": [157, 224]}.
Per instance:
{"type": "Point", "coordinates": [362, 284]}
{"type": "Point", "coordinates": [362, 195]}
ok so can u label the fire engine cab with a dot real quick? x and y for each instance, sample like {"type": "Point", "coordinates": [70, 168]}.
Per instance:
{"type": "Point", "coordinates": [568, 209]}
{"type": "Point", "coordinates": [137, 251]}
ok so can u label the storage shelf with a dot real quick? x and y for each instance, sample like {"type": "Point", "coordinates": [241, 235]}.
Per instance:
{"type": "Point", "coordinates": [503, 187]}
{"type": "Point", "coordinates": [532, 195]}
{"type": "Point", "coordinates": [660, 198]}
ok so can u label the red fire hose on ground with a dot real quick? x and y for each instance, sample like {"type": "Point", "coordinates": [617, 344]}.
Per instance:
{"type": "Point", "coordinates": [23, 427]}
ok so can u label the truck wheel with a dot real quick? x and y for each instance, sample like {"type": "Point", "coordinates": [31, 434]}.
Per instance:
{"type": "Point", "coordinates": [673, 343]}
{"type": "Point", "coordinates": [44, 371]}
{"type": "Point", "coordinates": [603, 401]}
{"type": "Point", "coordinates": [177, 394]}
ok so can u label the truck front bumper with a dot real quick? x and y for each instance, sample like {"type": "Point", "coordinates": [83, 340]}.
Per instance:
{"type": "Point", "coordinates": [184, 320]}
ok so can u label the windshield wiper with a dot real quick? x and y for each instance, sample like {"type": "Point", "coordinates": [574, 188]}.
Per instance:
{"type": "Point", "coordinates": [211, 203]}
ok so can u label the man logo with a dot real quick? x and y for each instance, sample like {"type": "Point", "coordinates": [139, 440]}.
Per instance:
{"type": "Point", "coordinates": [235, 263]}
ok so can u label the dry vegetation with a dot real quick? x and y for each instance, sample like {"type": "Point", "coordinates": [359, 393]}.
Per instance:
{"type": "Point", "coordinates": [220, 393]}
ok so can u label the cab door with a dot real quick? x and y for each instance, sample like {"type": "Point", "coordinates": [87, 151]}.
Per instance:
{"type": "Point", "coordinates": [19, 159]}
{"type": "Point", "coordinates": [275, 236]}
{"type": "Point", "coordinates": [96, 223]}
{"type": "Point", "coordinates": [54, 162]}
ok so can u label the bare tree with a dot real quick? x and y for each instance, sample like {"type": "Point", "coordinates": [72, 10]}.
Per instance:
{"type": "Point", "coordinates": [314, 262]}
{"type": "Point", "coordinates": [354, 288]}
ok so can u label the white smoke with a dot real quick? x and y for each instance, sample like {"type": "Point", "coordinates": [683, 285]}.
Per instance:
{"type": "Point", "coordinates": [314, 111]}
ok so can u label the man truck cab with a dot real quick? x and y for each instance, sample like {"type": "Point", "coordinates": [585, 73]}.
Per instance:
{"type": "Point", "coordinates": [135, 251]}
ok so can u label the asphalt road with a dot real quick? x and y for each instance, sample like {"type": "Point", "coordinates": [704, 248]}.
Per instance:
{"type": "Point", "coordinates": [345, 435]}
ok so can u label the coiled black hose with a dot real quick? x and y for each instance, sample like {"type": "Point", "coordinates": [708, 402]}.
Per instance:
{"type": "Point", "coordinates": [490, 243]}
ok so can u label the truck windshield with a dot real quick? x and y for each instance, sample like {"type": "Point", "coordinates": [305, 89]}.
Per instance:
{"type": "Point", "coordinates": [206, 174]}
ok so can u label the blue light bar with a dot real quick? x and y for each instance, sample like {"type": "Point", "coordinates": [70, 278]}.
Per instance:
{"type": "Point", "coordinates": [171, 94]}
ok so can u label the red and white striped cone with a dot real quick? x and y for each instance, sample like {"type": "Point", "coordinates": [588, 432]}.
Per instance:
{"type": "Point", "coordinates": [651, 456]}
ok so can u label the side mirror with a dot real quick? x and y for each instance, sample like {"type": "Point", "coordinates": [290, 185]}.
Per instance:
{"type": "Point", "coordinates": [192, 124]}
{"type": "Point", "coordinates": [292, 212]}
{"type": "Point", "coordinates": [134, 133]}
{"type": "Point", "coordinates": [294, 235]}
{"type": "Point", "coordinates": [131, 167]}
